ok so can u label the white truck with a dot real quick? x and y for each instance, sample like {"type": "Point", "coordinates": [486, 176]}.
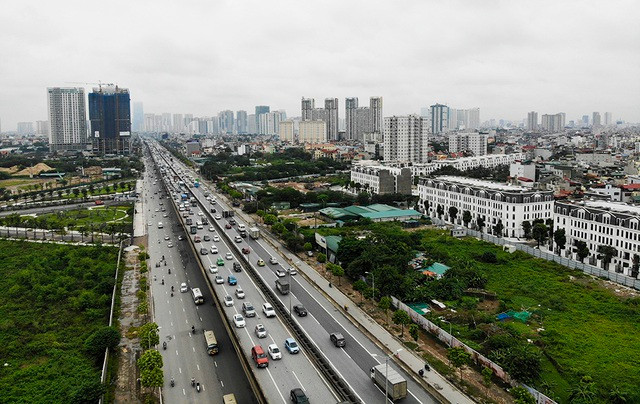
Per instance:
{"type": "Point", "coordinates": [254, 233]}
{"type": "Point", "coordinates": [387, 378]}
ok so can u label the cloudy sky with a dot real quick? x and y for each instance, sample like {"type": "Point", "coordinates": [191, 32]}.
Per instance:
{"type": "Point", "coordinates": [202, 56]}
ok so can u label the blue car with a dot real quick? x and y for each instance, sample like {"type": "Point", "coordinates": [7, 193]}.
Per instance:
{"type": "Point", "coordinates": [291, 345]}
{"type": "Point", "coordinates": [232, 280]}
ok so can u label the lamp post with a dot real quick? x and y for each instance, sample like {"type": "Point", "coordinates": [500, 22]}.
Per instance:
{"type": "Point", "coordinates": [386, 374]}
{"type": "Point", "coordinates": [373, 279]}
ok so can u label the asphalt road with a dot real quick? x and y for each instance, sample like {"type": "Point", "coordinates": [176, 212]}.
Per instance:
{"type": "Point", "coordinates": [186, 356]}
{"type": "Point", "coordinates": [352, 362]}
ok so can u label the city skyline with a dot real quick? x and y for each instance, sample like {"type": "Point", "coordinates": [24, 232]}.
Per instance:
{"type": "Point", "coordinates": [505, 58]}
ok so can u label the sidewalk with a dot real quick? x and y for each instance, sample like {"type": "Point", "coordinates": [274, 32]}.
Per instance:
{"type": "Point", "coordinates": [433, 382]}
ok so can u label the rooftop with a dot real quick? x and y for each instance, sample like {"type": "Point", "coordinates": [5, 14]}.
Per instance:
{"type": "Point", "coordinates": [615, 206]}
{"type": "Point", "coordinates": [482, 183]}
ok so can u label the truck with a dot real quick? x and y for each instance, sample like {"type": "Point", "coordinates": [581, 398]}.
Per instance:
{"type": "Point", "coordinates": [254, 232]}
{"type": "Point", "coordinates": [227, 213]}
{"type": "Point", "coordinates": [283, 286]}
{"type": "Point", "coordinates": [387, 378]}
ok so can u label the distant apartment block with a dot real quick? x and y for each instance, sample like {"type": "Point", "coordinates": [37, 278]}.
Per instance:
{"type": "Point", "coordinates": [532, 121]}
{"type": "Point", "coordinates": [475, 143]}
{"type": "Point", "coordinates": [110, 116]}
{"type": "Point", "coordinates": [553, 123]}
{"type": "Point", "coordinates": [488, 201]}
{"type": "Point", "coordinates": [67, 119]}
{"type": "Point", "coordinates": [312, 131]}
{"type": "Point", "coordinates": [328, 114]}
{"type": "Point", "coordinates": [406, 138]}
{"type": "Point", "coordinates": [380, 179]}
{"type": "Point", "coordinates": [286, 131]}
{"type": "Point", "coordinates": [362, 120]}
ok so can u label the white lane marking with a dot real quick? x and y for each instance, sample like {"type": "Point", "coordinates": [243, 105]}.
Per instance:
{"type": "Point", "coordinates": [198, 366]}
{"type": "Point", "coordinates": [177, 354]}
{"type": "Point", "coordinates": [221, 383]}
{"type": "Point", "coordinates": [194, 349]}
{"type": "Point", "coordinates": [184, 393]}
{"type": "Point", "coordinates": [276, 386]}
{"type": "Point", "coordinates": [299, 382]}
{"type": "Point", "coordinates": [180, 370]}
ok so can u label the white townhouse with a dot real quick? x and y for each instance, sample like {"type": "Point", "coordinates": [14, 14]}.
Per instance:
{"type": "Point", "coordinates": [492, 201]}
{"type": "Point", "coordinates": [380, 179]}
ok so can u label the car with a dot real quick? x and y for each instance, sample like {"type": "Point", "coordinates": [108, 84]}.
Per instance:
{"type": "Point", "coordinates": [248, 310]}
{"type": "Point", "coordinates": [167, 237]}
{"type": "Point", "coordinates": [170, 245]}
{"type": "Point", "coordinates": [228, 301]}
{"type": "Point", "coordinates": [204, 251]}
{"type": "Point", "coordinates": [157, 210]}
{"type": "Point", "coordinates": [183, 287]}
{"type": "Point", "coordinates": [165, 215]}
{"type": "Point", "coordinates": [214, 250]}
{"type": "Point", "coordinates": [298, 396]}
{"type": "Point", "coordinates": [199, 226]}
{"type": "Point", "coordinates": [239, 293]}
{"type": "Point", "coordinates": [227, 226]}
{"type": "Point", "coordinates": [300, 310]}
{"type": "Point", "coordinates": [260, 262]}
{"type": "Point", "coordinates": [238, 321]}
{"type": "Point", "coordinates": [291, 345]}
{"type": "Point", "coordinates": [229, 256]}
{"type": "Point", "coordinates": [259, 357]}
{"type": "Point", "coordinates": [206, 237]}
{"type": "Point", "coordinates": [292, 271]}
{"type": "Point", "coordinates": [237, 267]}
{"type": "Point", "coordinates": [232, 221]}
{"type": "Point", "coordinates": [238, 239]}
{"type": "Point", "coordinates": [245, 250]}
{"type": "Point", "coordinates": [274, 352]}
{"type": "Point", "coordinates": [309, 253]}
{"type": "Point", "coordinates": [231, 280]}
{"type": "Point", "coordinates": [260, 331]}
{"type": "Point", "coordinates": [180, 238]}
{"type": "Point", "coordinates": [200, 213]}
{"type": "Point", "coordinates": [216, 239]}
{"type": "Point", "coordinates": [273, 261]}
{"type": "Point", "coordinates": [337, 339]}
{"type": "Point", "coordinates": [220, 262]}
{"type": "Point", "coordinates": [280, 272]}
{"type": "Point", "coordinates": [268, 310]}
{"type": "Point", "coordinates": [219, 280]}
{"type": "Point", "coordinates": [217, 217]}
{"type": "Point", "coordinates": [211, 228]}
{"type": "Point", "coordinates": [213, 268]}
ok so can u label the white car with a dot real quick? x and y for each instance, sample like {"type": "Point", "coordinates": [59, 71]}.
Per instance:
{"type": "Point", "coordinates": [273, 261]}
{"type": "Point", "coordinates": [274, 352]}
{"type": "Point", "coordinates": [228, 301]}
{"type": "Point", "coordinates": [292, 271]}
{"type": "Point", "coordinates": [261, 332]}
{"type": "Point", "coordinates": [165, 215]}
{"type": "Point", "coordinates": [170, 245]}
{"type": "Point", "coordinates": [280, 272]}
{"type": "Point", "coordinates": [238, 321]}
{"type": "Point", "coordinates": [219, 280]}
{"type": "Point", "coordinates": [183, 287]}
{"type": "Point", "coordinates": [211, 229]}
{"type": "Point", "coordinates": [268, 310]}
{"type": "Point", "coordinates": [214, 250]}
{"type": "Point", "coordinates": [238, 239]}
{"type": "Point", "coordinates": [229, 256]}
{"type": "Point", "coordinates": [166, 237]}
{"type": "Point", "coordinates": [199, 227]}
{"type": "Point", "coordinates": [200, 213]}
{"type": "Point", "coordinates": [213, 268]}
{"type": "Point", "coordinates": [217, 217]}
{"type": "Point", "coordinates": [216, 239]}
{"type": "Point", "coordinates": [239, 293]}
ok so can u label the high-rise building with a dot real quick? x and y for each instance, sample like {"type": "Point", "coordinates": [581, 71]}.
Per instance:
{"type": "Point", "coordinates": [532, 121]}
{"type": "Point", "coordinates": [553, 123]}
{"type": "Point", "coordinates": [260, 110]}
{"type": "Point", "coordinates": [608, 120]}
{"type": "Point", "coordinates": [406, 139]}
{"type": "Point", "coordinates": [473, 118]}
{"type": "Point", "coordinates": [439, 118]}
{"type": "Point", "coordinates": [67, 119]}
{"type": "Point", "coordinates": [375, 107]}
{"type": "Point", "coordinates": [225, 122]}
{"type": "Point", "coordinates": [308, 108]}
{"type": "Point", "coordinates": [351, 111]}
{"type": "Point", "coordinates": [241, 122]}
{"type": "Point", "coordinates": [596, 123]}
{"type": "Point", "coordinates": [110, 116]}
{"type": "Point", "coordinates": [42, 127]}
{"type": "Point", "coordinates": [475, 143]}
{"type": "Point", "coordinates": [269, 123]}
{"type": "Point", "coordinates": [138, 117]}
{"type": "Point", "coordinates": [285, 132]}
{"type": "Point", "coordinates": [178, 123]}
{"type": "Point", "coordinates": [25, 128]}
{"type": "Point", "coordinates": [331, 106]}
{"type": "Point", "coordinates": [313, 131]}
{"type": "Point", "coordinates": [585, 121]}
{"type": "Point", "coordinates": [252, 124]}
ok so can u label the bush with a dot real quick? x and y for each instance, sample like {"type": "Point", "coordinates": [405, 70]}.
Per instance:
{"type": "Point", "coordinates": [308, 246]}
{"type": "Point", "coordinates": [322, 258]}
{"type": "Point", "coordinates": [101, 339]}
{"type": "Point", "coordinates": [488, 257]}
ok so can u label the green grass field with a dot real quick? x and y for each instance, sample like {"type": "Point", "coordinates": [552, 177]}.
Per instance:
{"type": "Point", "coordinates": [85, 217]}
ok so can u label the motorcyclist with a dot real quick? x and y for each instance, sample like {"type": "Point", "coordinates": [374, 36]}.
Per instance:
{"type": "Point", "coordinates": [193, 329]}
{"type": "Point", "coordinates": [164, 345]}
{"type": "Point", "coordinates": [163, 281]}
{"type": "Point", "coordinates": [193, 381]}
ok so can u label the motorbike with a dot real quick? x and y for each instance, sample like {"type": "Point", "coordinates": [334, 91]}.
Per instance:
{"type": "Point", "coordinates": [165, 263]}
{"type": "Point", "coordinates": [164, 345]}
{"type": "Point", "coordinates": [193, 382]}
{"type": "Point", "coordinates": [172, 288]}
{"type": "Point", "coordinates": [169, 271]}
{"type": "Point", "coordinates": [163, 281]}
{"type": "Point", "coordinates": [193, 329]}
{"type": "Point", "coordinates": [173, 383]}
{"type": "Point", "coordinates": [198, 387]}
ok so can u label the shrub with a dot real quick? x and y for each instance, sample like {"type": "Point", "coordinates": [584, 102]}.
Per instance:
{"type": "Point", "coordinates": [322, 258]}
{"type": "Point", "coordinates": [101, 339]}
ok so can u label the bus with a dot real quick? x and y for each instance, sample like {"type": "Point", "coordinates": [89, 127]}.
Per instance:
{"type": "Point", "coordinates": [197, 296]}
{"type": "Point", "coordinates": [212, 343]}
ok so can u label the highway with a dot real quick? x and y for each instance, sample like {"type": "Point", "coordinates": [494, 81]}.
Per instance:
{"type": "Point", "coordinates": [185, 356]}
{"type": "Point", "coordinates": [352, 362]}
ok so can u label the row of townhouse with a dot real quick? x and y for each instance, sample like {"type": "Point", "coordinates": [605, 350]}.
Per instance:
{"type": "Point", "coordinates": [597, 223]}
{"type": "Point", "coordinates": [382, 180]}
{"type": "Point", "coordinates": [462, 164]}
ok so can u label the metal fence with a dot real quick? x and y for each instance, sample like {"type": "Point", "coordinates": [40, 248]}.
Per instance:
{"type": "Point", "coordinates": [476, 356]}
{"type": "Point", "coordinates": [568, 262]}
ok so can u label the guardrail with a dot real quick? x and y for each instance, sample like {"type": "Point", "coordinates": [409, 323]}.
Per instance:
{"type": "Point", "coordinates": [338, 384]}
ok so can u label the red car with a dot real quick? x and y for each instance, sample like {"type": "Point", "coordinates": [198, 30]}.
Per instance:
{"type": "Point", "coordinates": [227, 226]}
{"type": "Point", "coordinates": [246, 250]}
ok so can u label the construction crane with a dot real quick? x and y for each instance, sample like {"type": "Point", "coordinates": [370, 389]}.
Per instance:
{"type": "Point", "coordinates": [99, 83]}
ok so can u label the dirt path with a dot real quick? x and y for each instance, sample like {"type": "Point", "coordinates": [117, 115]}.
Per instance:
{"type": "Point", "coordinates": [127, 387]}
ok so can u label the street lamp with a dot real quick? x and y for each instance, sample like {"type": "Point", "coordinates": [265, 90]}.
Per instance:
{"type": "Point", "coordinates": [373, 278]}
{"type": "Point", "coordinates": [386, 374]}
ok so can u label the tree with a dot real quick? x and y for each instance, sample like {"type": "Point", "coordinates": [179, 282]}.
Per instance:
{"type": "Point", "coordinates": [560, 238]}
{"type": "Point", "coordinates": [337, 271]}
{"type": "Point", "coordinates": [385, 305]}
{"type": "Point", "coordinates": [360, 286]}
{"type": "Point", "coordinates": [606, 253]}
{"type": "Point", "coordinates": [307, 246]}
{"type": "Point", "coordinates": [88, 392]}
{"type": "Point", "coordinates": [453, 213]}
{"type": "Point", "coordinates": [322, 258]}
{"type": "Point", "coordinates": [526, 227]}
{"type": "Point", "coordinates": [152, 377]}
{"type": "Point", "coordinates": [549, 223]}
{"type": "Point", "coordinates": [101, 339]}
{"type": "Point", "coordinates": [150, 359]}
{"type": "Point", "coordinates": [363, 199]}
{"type": "Point", "coordinates": [480, 223]}
{"type": "Point", "coordinates": [522, 395]}
{"type": "Point", "coordinates": [521, 360]}
{"type": "Point", "coordinates": [498, 228]}
{"type": "Point", "coordinates": [269, 219]}
{"type": "Point", "coordinates": [148, 334]}
{"type": "Point", "coordinates": [466, 218]}
{"type": "Point", "coordinates": [440, 211]}
{"type": "Point", "coordinates": [487, 374]}
{"type": "Point", "coordinates": [426, 206]}
{"type": "Point", "coordinates": [459, 358]}
{"type": "Point", "coordinates": [414, 331]}
{"type": "Point", "coordinates": [581, 250]}
{"type": "Point", "coordinates": [635, 266]}
{"type": "Point", "coordinates": [400, 317]}
{"type": "Point", "coordinates": [540, 233]}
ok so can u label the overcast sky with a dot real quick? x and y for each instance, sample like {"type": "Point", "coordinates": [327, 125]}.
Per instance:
{"type": "Point", "coordinates": [200, 57]}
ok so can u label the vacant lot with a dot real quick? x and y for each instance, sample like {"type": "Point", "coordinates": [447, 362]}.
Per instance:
{"type": "Point", "coordinates": [52, 298]}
